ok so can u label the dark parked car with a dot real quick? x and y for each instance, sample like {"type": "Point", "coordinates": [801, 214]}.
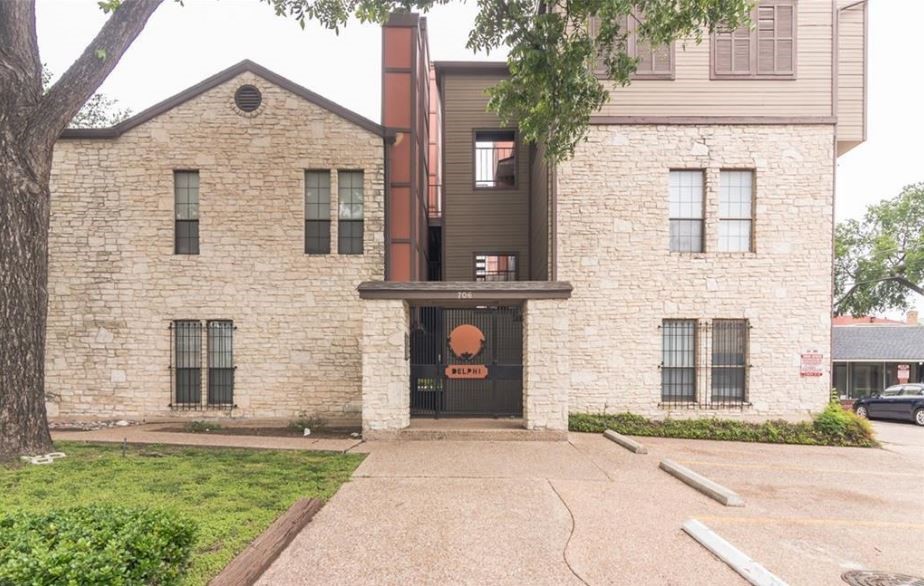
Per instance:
{"type": "Point", "coordinates": [896, 402]}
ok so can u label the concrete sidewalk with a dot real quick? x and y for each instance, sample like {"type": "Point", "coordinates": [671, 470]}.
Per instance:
{"type": "Point", "coordinates": [503, 513]}
{"type": "Point", "coordinates": [591, 512]}
{"type": "Point", "coordinates": [148, 434]}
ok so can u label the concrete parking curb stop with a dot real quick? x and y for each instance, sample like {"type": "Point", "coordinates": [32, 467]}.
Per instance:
{"type": "Point", "coordinates": [627, 443]}
{"type": "Point", "coordinates": [736, 559]}
{"type": "Point", "coordinates": [713, 490]}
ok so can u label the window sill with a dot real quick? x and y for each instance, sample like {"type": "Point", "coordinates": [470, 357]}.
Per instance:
{"type": "Point", "coordinates": [693, 405]}
{"type": "Point", "coordinates": [764, 77]}
{"type": "Point", "coordinates": [642, 77]}
{"type": "Point", "coordinates": [200, 407]}
{"type": "Point", "coordinates": [714, 254]}
{"type": "Point", "coordinates": [510, 189]}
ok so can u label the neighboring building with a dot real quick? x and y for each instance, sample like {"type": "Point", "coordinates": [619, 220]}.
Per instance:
{"type": "Point", "coordinates": [678, 265]}
{"type": "Point", "coordinates": [871, 354]}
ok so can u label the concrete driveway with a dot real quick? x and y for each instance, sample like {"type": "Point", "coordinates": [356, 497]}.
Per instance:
{"type": "Point", "coordinates": [589, 512]}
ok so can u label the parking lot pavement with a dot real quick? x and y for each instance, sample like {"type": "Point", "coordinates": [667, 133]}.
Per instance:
{"type": "Point", "coordinates": [588, 511]}
{"type": "Point", "coordinates": [812, 513]}
{"type": "Point", "coordinates": [903, 437]}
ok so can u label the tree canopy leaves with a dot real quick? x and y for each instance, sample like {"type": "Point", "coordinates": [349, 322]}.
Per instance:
{"type": "Point", "coordinates": [553, 56]}
{"type": "Point", "coordinates": [879, 259]}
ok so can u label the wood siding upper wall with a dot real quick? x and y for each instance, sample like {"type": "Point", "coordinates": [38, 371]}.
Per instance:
{"type": "Point", "coordinates": [693, 93]}
{"type": "Point", "coordinates": [492, 221]}
{"type": "Point", "coordinates": [851, 77]}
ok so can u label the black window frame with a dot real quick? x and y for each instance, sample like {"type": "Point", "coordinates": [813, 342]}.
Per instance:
{"type": "Point", "coordinates": [675, 221]}
{"type": "Point", "coordinates": [185, 227]}
{"type": "Point", "coordinates": [481, 272]}
{"type": "Point", "coordinates": [350, 222]}
{"type": "Point", "coordinates": [317, 229]}
{"type": "Point", "coordinates": [186, 363]}
{"type": "Point", "coordinates": [220, 389]}
{"type": "Point", "coordinates": [728, 360]}
{"type": "Point", "coordinates": [726, 218]}
{"type": "Point", "coordinates": [679, 377]}
{"type": "Point", "coordinates": [494, 135]}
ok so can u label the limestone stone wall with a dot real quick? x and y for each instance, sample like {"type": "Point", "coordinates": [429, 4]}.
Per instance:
{"type": "Point", "coordinates": [116, 286]}
{"type": "Point", "coordinates": [546, 364]}
{"type": "Point", "coordinates": [613, 240]}
{"type": "Point", "coordinates": [386, 366]}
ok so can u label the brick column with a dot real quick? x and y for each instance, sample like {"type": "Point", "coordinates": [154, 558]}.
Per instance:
{"type": "Point", "coordinates": [546, 364]}
{"type": "Point", "coordinates": [386, 368]}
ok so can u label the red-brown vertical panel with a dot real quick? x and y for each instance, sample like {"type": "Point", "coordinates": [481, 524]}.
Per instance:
{"type": "Point", "coordinates": [400, 211]}
{"type": "Point", "coordinates": [400, 167]}
{"type": "Point", "coordinates": [396, 51]}
{"type": "Point", "coordinates": [397, 88]}
{"type": "Point", "coordinates": [401, 263]}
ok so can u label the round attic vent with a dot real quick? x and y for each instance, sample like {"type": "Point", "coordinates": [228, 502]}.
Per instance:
{"type": "Point", "coordinates": [247, 98]}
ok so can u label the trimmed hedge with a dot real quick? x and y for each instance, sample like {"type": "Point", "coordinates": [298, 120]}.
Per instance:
{"type": "Point", "coordinates": [110, 546]}
{"type": "Point", "coordinates": [834, 426]}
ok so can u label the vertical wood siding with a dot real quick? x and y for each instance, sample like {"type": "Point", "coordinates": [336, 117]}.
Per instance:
{"type": "Point", "coordinates": [482, 220]}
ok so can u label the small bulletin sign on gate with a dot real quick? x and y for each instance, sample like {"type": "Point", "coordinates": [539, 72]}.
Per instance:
{"type": "Point", "coordinates": [811, 364]}
{"type": "Point", "coordinates": [475, 371]}
{"type": "Point", "coordinates": [904, 373]}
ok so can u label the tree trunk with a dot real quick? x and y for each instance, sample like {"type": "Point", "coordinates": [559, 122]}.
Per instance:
{"type": "Point", "coordinates": [24, 208]}
{"type": "Point", "coordinates": [30, 122]}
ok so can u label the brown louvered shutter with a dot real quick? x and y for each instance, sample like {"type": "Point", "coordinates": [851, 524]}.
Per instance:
{"type": "Point", "coordinates": [653, 61]}
{"type": "Point", "coordinates": [775, 38]}
{"type": "Point", "coordinates": [733, 51]}
{"type": "Point", "coordinates": [593, 28]}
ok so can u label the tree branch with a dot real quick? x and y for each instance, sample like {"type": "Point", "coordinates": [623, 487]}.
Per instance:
{"type": "Point", "coordinates": [20, 66]}
{"type": "Point", "coordinates": [64, 99]}
{"type": "Point", "coordinates": [900, 280]}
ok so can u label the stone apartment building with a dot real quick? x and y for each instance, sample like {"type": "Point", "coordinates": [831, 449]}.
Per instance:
{"type": "Point", "coordinates": [249, 249]}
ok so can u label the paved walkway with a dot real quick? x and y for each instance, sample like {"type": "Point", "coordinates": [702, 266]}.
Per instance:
{"type": "Point", "coordinates": [503, 513]}
{"type": "Point", "coordinates": [589, 512]}
{"type": "Point", "coordinates": [147, 434]}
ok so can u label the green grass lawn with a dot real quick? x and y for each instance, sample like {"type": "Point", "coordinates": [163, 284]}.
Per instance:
{"type": "Point", "coordinates": [231, 494]}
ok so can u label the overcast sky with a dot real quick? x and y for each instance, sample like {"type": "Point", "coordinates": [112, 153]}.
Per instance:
{"type": "Point", "coordinates": [184, 44]}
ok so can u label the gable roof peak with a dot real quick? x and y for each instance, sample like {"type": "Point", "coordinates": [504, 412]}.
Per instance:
{"type": "Point", "coordinates": [244, 66]}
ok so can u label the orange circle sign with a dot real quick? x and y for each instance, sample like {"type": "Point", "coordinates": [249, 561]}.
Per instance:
{"type": "Point", "coordinates": [466, 341]}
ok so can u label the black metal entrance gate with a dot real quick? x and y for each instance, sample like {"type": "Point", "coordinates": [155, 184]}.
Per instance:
{"type": "Point", "coordinates": [467, 361]}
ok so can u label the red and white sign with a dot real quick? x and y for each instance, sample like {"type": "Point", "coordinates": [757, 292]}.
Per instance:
{"type": "Point", "coordinates": [811, 364]}
{"type": "Point", "coordinates": [904, 373]}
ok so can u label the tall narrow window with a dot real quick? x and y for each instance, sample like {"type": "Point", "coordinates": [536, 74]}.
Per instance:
{"type": "Point", "coordinates": [350, 227]}
{"type": "Point", "coordinates": [736, 196]}
{"type": "Point", "coordinates": [317, 212]}
{"type": "Point", "coordinates": [186, 207]}
{"type": "Point", "coordinates": [495, 267]}
{"type": "Point", "coordinates": [729, 360]}
{"type": "Point", "coordinates": [686, 211]}
{"type": "Point", "coordinates": [221, 363]}
{"type": "Point", "coordinates": [766, 51]}
{"type": "Point", "coordinates": [187, 371]}
{"type": "Point", "coordinates": [495, 159]}
{"type": "Point", "coordinates": [678, 360]}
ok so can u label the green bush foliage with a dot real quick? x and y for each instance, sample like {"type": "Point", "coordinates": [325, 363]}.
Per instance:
{"type": "Point", "coordinates": [94, 545]}
{"type": "Point", "coordinates": [837, 422]}
{"type": "Point", "coordinates": [832, 427]}
{"type": "Point", "coordinates": [201, 426]}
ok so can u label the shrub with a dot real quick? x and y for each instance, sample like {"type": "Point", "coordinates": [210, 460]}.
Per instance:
{"type": "Point", "coordinates": [202, 426]}
{"type": "Point", "coordinates": [94, 546]}
{"type": "Point", "coordinates": [832, 427]}
{"type": "Point", "coordinates": [837, 422]}
{"type": "Point", "coordinates": [304, 420]}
